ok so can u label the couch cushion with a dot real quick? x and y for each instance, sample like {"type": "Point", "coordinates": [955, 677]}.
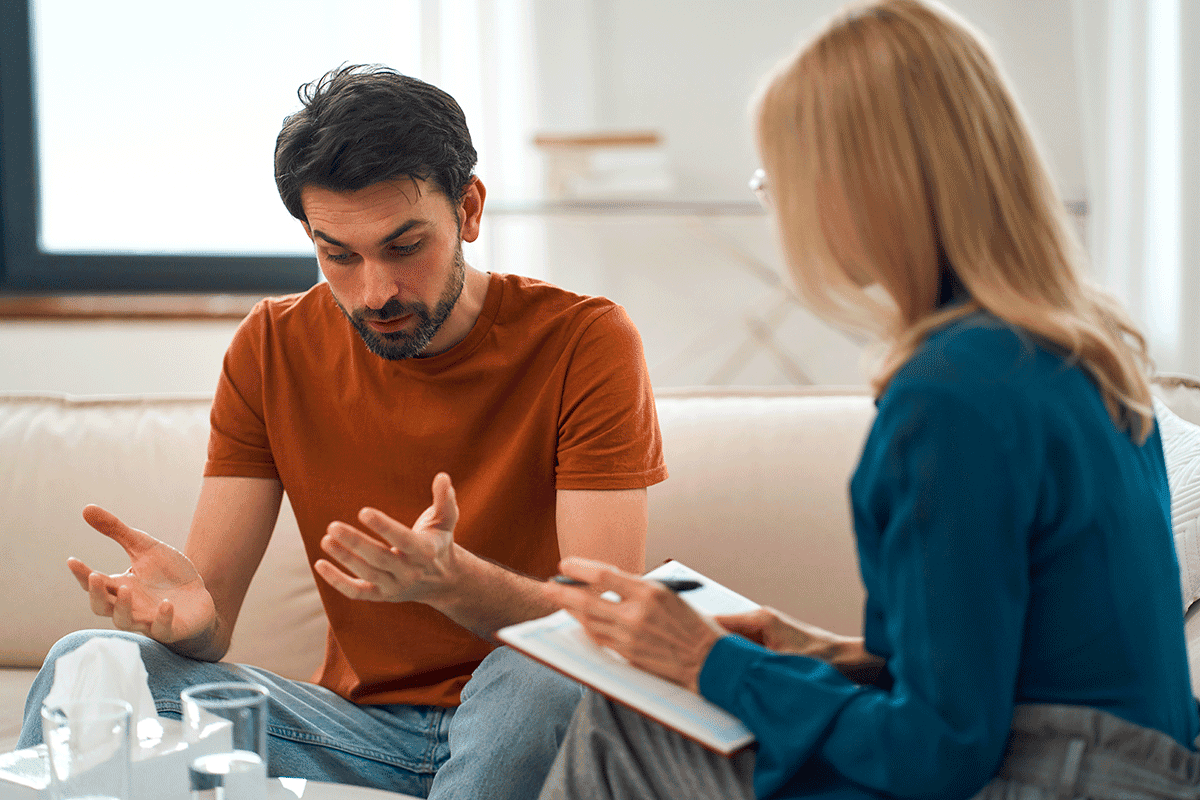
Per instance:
{"type": "Point", "coordinates": [1181, 447]}
{"type": "Point", "coordinates": [758, 496]}
{"type": "Point", "coordinates": [141, 458]}
{"type": "Point", "coordinates": [1181, 394]}
{"type": "Point", "coordinates": [14, 686]}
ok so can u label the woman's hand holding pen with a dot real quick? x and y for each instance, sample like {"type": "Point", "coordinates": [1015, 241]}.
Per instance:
{"type": "Point", "coordinates": [650, 625]}
{"type": "Point", "coordinates": [658, 632]}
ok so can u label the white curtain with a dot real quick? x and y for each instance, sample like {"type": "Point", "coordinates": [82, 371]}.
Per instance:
{"type": "Point", "coordinates": [483, 53]}
{"type": "Point", "coordinates": [1141, 102]}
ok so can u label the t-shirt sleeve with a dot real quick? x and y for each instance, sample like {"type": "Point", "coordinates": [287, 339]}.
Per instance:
{"type": "Point", "coordinates": [608, 426]}
{"type": "Point", "coordinates": [953, 576]}
{"type": "Point", "coordinates": [238, 444]}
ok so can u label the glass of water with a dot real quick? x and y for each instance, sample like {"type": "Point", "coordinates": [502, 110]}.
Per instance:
{"type": "Point", "coordinates": [88, 744]}
{"type": "Point", "coordinates": [240, 773]}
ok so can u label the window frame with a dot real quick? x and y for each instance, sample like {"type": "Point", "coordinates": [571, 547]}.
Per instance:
{"type": "Point", "coordinates": [27, 269]}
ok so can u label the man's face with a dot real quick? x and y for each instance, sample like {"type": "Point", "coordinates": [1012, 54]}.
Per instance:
{"type": "Point", "coordinates": [392, 254]}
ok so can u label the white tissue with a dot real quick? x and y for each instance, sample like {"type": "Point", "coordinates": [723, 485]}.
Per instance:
{"type": "Point", "coordinates": [106, 667]}
{"type": "Point", "coordinates": [112, 667]}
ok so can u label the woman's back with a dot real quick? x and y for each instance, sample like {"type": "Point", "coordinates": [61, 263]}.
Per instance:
{"type": "Point", "coordinates": [1041, 533]}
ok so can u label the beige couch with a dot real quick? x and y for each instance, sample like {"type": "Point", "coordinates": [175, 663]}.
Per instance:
{"type": "Point", "coordinates": [757, 499]}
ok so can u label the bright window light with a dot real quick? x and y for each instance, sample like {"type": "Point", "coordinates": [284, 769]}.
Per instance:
{"type": "Point", "coordinates": [1164, 189]}
{"type": "Point", "coordinates": [156, 121]}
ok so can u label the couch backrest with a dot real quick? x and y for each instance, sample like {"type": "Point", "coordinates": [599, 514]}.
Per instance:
{"type": "Point", "coordinates": [141, 458]}
{"type": "Point", "coordinates": [758, 494]}
{"type": "Point", "coordinates": [757, 499]}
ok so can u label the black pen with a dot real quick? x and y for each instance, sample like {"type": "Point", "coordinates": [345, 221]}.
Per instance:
{"type": "Point", "coordinates": [674, 584]}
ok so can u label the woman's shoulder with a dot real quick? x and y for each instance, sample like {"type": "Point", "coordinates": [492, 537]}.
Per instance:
{"type": "Point", "coordinates": [1001, 371]}
{"type": "Point", "coordinates": [980, 351]}
{"type": "Point", "coordinates": [985, 380]}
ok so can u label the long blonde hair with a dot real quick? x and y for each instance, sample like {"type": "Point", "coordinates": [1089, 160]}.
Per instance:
{"type": "Point", "coordinates": [891, 147]}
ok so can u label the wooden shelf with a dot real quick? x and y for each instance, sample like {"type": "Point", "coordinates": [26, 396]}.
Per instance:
{"type": "Point", "coordinates": [127, 306]}
{"type": "Point", "coordinates": [632, 207]}
{"type": "Point", "coordinates": [598, 139]}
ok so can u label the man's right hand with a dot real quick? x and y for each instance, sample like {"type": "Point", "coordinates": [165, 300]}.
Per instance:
{"type": "Point", "coordinates": [161, 595]}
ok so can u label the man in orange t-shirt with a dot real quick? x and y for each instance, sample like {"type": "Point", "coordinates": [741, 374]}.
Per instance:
{"type": "Point", "coordinates": [405, 370]}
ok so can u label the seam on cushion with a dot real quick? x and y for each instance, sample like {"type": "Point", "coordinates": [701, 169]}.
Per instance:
{"type": "Point", "coordinates": [1174, 381]}
{"type": "Point", "coordinates": [146, 399]}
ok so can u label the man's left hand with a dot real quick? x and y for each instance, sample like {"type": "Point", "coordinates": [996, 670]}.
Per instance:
{"type": "Point", "coordinates": [409, 564]}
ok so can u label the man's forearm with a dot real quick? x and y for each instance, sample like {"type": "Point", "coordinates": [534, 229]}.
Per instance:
{"type": "Point", "coordinates": [487, 596]}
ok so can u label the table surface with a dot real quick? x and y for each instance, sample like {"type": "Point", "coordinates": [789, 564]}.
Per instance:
{"type": "Point", "coordinates": [24, 765]}
{"type": "Point", "coordinates": [293, 788]}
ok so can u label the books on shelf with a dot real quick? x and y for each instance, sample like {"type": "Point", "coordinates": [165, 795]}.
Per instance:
{"type": "Point", "coordinates": [559, 642]}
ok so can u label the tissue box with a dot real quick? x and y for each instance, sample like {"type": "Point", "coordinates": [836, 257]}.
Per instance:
{"type": "Point", "coordinates": [159, 769]}
{"type": "Point", "coordinates": [25, 774]}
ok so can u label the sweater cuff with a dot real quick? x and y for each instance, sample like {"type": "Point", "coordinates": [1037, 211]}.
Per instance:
{"type": "Point", "coordinates": [721, 674]}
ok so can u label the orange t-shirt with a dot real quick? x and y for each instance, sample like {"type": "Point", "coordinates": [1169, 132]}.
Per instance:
{"type": "Point", "coordinates": [548, 391]}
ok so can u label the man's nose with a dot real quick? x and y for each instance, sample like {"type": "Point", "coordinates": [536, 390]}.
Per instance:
{"type": "Point", "coordinates": [379, 285]}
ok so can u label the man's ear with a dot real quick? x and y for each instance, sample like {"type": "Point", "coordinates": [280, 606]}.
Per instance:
{"type": "Point", "coordinates": [470, 209]}
{"type": "Point", "coordinates": [308, 230]}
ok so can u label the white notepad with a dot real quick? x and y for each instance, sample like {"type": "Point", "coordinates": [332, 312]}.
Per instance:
{"type": "Point", "coordinates": [559, 642]}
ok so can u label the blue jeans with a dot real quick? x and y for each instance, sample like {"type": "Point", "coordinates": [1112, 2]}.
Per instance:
{"type": "Point", "coordinates": [499, 743]}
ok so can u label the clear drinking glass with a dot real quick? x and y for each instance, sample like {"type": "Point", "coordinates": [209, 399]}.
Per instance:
{"type": "Point", "coordinates": [240, 774]}
{"type": "Point", "coordinates": [88, 743]}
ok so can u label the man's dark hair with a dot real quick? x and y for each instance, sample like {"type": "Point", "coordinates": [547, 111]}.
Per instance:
{"type": "Point", "coordinates": [361, 125]}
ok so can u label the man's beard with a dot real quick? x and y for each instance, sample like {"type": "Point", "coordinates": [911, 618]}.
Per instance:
{"type": "Point", "coordinates": [409, 344]}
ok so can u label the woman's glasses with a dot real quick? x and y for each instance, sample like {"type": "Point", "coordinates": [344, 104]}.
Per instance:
{"type": "Point", "coordinates": [758, 185]}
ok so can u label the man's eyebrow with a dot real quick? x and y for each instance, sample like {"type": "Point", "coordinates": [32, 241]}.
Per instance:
{"type": "Point", "coordinates": [403, 229]}
{"type": "Point", "coordinates": [396, 234]}
{"type": "Point", "coordinates": [328, 238]}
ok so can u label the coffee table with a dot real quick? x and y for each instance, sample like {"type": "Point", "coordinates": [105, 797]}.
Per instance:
{"type": "Point", "coordinates": [23, 774]}
{"type": "Point", "coordinates": [293, 788]}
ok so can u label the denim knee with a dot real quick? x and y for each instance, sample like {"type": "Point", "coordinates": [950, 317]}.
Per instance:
{"type": "Point", "coordinates": [76, 639]}
{"type": "Point", "coordinates": [555, 694]}
{"type": "Point", "coordinates": [167, 672]}
{"type": "Point", "coordinates": [520, 704]}
{"type": "Point", "coordinates": [546, 695]}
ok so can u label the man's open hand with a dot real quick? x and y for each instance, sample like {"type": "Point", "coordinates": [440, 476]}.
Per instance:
{"type": "Point", "coordinates": [161, 595]}
{"type": "Point", "coordinates": [409, 564]}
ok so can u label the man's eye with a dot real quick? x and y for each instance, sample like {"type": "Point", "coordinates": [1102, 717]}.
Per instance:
{"type": "Point", "coordinates": [406, 249]}
{"type": "Point", "coordinates": [337, 258]}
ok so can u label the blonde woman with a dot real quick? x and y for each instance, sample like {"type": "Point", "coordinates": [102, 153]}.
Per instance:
{"type": "Point", "coordinates": [1023, 631]}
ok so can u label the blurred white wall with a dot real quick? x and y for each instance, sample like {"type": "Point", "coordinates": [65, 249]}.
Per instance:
{"type": "Point", "coordinates": [685, 68]}
{"type": "Point", "coordinates": [689, 67]}
{"type": "Point", "coordinates": [112, 357]}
